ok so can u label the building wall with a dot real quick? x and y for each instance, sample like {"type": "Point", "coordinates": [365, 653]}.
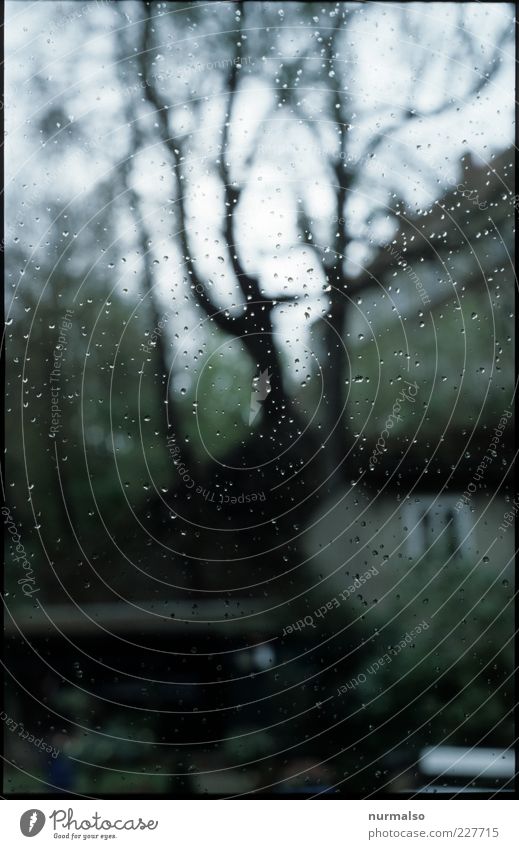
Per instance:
{"type": "Point", "coordinates": [397, 546]}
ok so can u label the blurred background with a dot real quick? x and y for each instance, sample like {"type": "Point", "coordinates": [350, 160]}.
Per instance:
{"type": "Point", "coordinates": [259, 348]}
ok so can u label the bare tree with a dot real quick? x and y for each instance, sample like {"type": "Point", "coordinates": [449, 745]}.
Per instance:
{"type": "Point", "coordinates": [253, 319]}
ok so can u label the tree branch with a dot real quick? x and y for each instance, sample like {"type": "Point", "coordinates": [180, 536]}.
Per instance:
{"type": "Point", "coordinates": [249, 285]}
{"type": "Point", "coordinates": [223, 320]}
{"type": "Point", "coordinates": [412, 115]}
